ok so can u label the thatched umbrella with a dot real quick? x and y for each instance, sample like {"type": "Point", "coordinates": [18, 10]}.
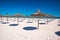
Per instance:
{"type": "Point", "coordinates": [36, 14]}
{"type": "Point", "coordinates": [39, 14]}
{"type": "Point", "coordinates": [49, 16]}
{"type": "Point", "coordinates": [7, 17]}
{"type": "Point", "coordinates": [1, 17]}
{"type": "Point", "coordinates": [17, 15]}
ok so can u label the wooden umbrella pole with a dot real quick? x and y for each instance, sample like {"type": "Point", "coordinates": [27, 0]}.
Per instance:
{"type": "Point", "coordinates": [32, 19]}
{"type": "Point", "coordinates": [38, 23]}
{"type": "Point", "coordinates": [7, 18]}
{"type": "Point", "coordinates": [17, 20]}
{"type": "Point", "coordinates": [47, 20]}
{"type": "Point", "coordinates": [14, 18]}
{"type": "Point", "coordinates": [22, 19]}
{"type": "Point", "coordinates": [1, 18]}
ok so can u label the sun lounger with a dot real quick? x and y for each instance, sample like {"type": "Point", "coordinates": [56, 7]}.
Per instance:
{"type": "Point", "coordinates": [29, 22]}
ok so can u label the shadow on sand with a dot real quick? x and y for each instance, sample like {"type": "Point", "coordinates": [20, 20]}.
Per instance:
{"type": "Point", "coordinates": [13, 25]}
{"type": "Point", "coordinates": [42, 23]}
{"type": "Point", "coordinates": [57, 33]}
{"type": "Point", "coordinates": [29, 28]}
{"type": "Point", "coordinates": [1, 21]}
{"type": "Point", "coordinates": [58, 24]}
{"type": "Point", "coordinates": [29, 22]}
{"type": "Point", "coordinates": [4, 22]}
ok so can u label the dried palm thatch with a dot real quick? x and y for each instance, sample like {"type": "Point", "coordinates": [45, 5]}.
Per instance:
{"type": "Point", "coordinates": [39, 14]}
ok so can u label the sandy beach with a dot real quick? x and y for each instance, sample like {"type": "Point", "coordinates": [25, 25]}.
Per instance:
{"type": "Point", "coordinates": [44, 32]}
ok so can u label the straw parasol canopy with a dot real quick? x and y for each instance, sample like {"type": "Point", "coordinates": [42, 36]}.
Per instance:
{"type": "Point", "coordinates": [38, 13]}
{"type": "Point", "coordinates": [17, 15]}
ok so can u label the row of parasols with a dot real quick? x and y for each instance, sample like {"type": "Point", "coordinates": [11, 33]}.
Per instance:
{"type": "Point", "coordinates": [7, 18]}
{"type": "Point", "coordinates": [36, 14]}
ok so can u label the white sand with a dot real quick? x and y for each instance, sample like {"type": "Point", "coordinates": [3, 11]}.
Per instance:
{"type": "Point", "coordinates": [45, 31]}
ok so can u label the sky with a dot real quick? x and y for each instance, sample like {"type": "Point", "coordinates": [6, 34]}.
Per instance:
{"type": "Point", "coordinates": [27, 7]}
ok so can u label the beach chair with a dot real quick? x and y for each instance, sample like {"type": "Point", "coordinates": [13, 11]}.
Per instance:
{"type": "Point", "coordinates": [29, 21]}
{"type": "Point", "coordinates": [42, 22]}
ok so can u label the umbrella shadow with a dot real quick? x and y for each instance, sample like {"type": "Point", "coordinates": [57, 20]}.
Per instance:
{"type": "Point", "coordinates": [42, 23]}
{"type": "Point", "coordinates": [13, 25]}
{"type": "Point", "coordinates": [5, 23]}
{"type": "Point", "coordinates": [30, 28]}
{"type": "Point", "coordinates": [58, 24]}
{"type": "Point", "coordinates": [57, 33]}
{"type": "Point", "coordinates": [1, 21]}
